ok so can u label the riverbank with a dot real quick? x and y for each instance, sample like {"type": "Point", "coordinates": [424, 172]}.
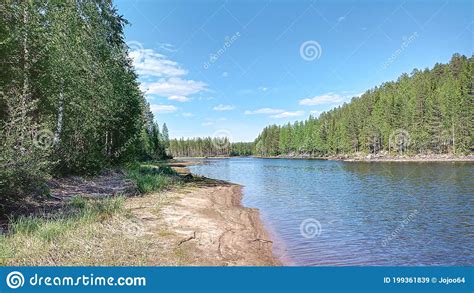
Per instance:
{"type": "Point", "coordinates": [214, 208]}
{"type": "Point", "coordinates": [345, 214]}
{"type": "Point", "coordinates": [416, 158]}
{"type": "Point", "coordinates": [378, 158]}
{"type": "Point", "coordinates": [196, 221]}
{"type": "Point", "coordinates": [221, 231]}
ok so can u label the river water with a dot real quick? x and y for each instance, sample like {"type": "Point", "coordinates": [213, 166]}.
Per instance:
{"type": "Point", "coordinates": [358, 213]}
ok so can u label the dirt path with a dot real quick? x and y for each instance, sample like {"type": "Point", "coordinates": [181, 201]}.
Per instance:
{"type": "Point", "coordinates": [205, 225]}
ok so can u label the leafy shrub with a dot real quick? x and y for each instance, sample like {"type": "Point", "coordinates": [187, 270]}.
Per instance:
{"type": "Point", "coordinates": [151, 178]}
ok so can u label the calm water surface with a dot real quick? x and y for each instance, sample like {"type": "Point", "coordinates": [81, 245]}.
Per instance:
{"type": "Point", "coordinates": [346, 213]}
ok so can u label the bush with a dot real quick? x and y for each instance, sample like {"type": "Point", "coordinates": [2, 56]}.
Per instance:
{"type": "Point", "coordinates": [151, 178]}
{"type": "Point", "coordinates": [24, 151]}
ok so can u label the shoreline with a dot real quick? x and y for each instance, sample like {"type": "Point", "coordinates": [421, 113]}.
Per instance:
{"type": "Point", "coordinates": [196, 222]}
{"type": "Point", "coordinates": [357, 158]}
{"type": "Point", "coordinates": [277, 251]}
{"type": "Point", "coordinates": [237, 237]}
{"type": "Point", "coordinates": [223, 232]}
{"type": "Point", "coordinates": [384, 158]}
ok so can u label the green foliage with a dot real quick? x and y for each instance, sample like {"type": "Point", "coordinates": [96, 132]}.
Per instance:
{"type": "Point", "coordinates": [165, 136]}
{"type": "Point", "coordinates": [152, 178]}
{"type": "Point", "coordinates": [79, 212]}
{"type": "Point", "coordinates": [25, 225]}
{"type": "Point", "coordinates": [208, 147]}
{"type": "Point", "coordinates": [241, 149]}
{"type": "Point", "coordinates": [78, 202]}
{"type": "Point", "coordinates": [430, 111]}
{"type": "Point", "coordinates": [69, 101]}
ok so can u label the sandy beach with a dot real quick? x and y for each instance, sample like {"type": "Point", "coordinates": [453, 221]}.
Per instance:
{"type": "Point", "coordinates": [218, 230]}
{"type": "Point", "coordinates": [199, 222]}
{"type": "Point", "coordinates": [214, 229]}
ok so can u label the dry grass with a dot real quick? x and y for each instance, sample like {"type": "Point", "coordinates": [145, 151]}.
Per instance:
{"type": "Point", "coordinates": [89, 232]}
{"type": "Point", "coordinates": [195, 222]}
{"type": "Point", "coordinates": [112, 231]}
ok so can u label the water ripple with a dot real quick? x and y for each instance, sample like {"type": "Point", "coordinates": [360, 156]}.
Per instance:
{"type": "Point", "coordinates": [369, 213]}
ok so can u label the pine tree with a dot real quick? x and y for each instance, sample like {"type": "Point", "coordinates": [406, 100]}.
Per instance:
{"type": "Point", "coordinates": [165, 135]}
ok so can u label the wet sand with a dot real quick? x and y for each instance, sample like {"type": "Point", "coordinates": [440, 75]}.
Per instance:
{"type": "Point", "coordinates": [214, 229]}
{"type": "Point", "coordinates": [217, 229]}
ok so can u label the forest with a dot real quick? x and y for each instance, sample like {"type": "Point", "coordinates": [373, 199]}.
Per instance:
{"type": "Point", "coordinates": [428, 111]}
{"type": "Point", "coordinates": [70, 101]}
{"type": "Point", "coordinates": [209, 147]}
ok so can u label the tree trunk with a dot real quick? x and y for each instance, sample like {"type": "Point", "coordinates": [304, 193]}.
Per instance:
{"type": "Point", "coordinates": [26, 70]}
{"type": "Point", "coordinates": [59, 125]}
{"type": "Point", "coordinates": [454, 142]}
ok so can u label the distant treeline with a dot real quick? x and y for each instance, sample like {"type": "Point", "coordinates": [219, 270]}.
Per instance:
{"type": "Point", "coordinates": [209, 147]}
{"type": "Point", "coordinates": [70, 101]}
{"type": "Point", "coordinates": [429, 111]}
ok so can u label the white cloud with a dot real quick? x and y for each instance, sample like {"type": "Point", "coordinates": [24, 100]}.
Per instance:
{"type": "Point", "coordinates": [263, 89]}
{"type": "Point", "coordinates": [167, 47]}
{"type": "Point", "coordinates": [179, 98]}
{"type": "Point", "coordinates": [329, 98]}
{"type": "Point", "coordinates": [187, 114]}
{"type": "Point", "coordinates": [207, 123]}
{"type": "Point", "coordinates": [163, 108]}
{"type": "Point", "coordinates": [264, 111]}
{"type": "Point", "coordinates": [205, 98]}
{"type": "Point", "coordinates": [174, 86]}
{"type": "Point", "coordinates": [150, 63]}
{"type": "Point", "coordinates": [225, 74]}
{"type": "Point", "coordinates": [162, 76]}
{"type": "Point", "coordinates": [288, 114]}
{"type": "Point", "coordinates": [275, 113]}
{"type": "Point", "coordinates": [222, 107]}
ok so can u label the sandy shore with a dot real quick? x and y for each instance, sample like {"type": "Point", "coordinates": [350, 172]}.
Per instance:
{"type": "Point", "coordinates": [213, 228]}
{"type": "Point", "coordinates": [199, 222]}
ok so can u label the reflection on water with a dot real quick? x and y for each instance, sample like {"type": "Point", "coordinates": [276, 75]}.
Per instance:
{"type": "Point", "coordinates": [368, 213]}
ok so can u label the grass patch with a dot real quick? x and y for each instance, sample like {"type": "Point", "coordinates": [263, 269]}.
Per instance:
{"type": "Point", "coordinates": [180, 254]}
{"type": "Point", "coordinates": [79, 211]}
{"type": "Point", "coordinates": [32, 235]}
{"type": "Point", "coordinates": [151, 178]}
{"type": "Point", "coordinates": [90, 231]}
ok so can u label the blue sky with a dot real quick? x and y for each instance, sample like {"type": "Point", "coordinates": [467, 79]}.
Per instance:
{"type": "Point", "coordinates": [233, 67]}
